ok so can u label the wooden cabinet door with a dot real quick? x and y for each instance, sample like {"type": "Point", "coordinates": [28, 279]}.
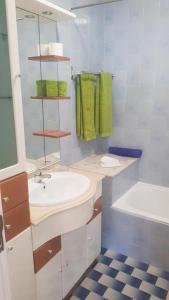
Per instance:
{"type": "Point", "coordinates": [21, 267]}
{"type": "Point", "coordinates": [49, 280]}
{"type": "Point", "coordinates": [74, 257]}
{"type": "Point", "coordinates": [93, 239]}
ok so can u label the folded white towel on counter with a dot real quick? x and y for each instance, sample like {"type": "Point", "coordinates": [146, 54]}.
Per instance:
{"type": "Point", "coordinates": [109, 162]}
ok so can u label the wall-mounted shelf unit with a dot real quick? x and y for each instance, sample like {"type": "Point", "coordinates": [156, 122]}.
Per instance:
{"type": "Point", "coordinates": [46, 9]}
{"type": "Point", "coordinates": [48, 58]}
{"type": "Point", "coordinates": [50, 98]}
{"type": "Point", "coordinates": [56, 134]}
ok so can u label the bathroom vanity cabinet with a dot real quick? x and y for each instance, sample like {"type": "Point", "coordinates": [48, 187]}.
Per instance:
{"type": "Point", "coordinates": [21, 267]}
{"type": "Point", "coordinates": [53, 269]}
{"type": "Point", "coordinates": [79, 248]}
{"type": "Point", "coordinates": [15, 206]}
{"type": "Point", "coordinates": [93, 239]}
{"type": "Point", "coordinates": [74, 257]}
{"type": "Point", "coordinates": [49, 280]}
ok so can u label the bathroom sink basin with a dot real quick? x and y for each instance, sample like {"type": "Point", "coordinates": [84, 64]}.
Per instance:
{"type": "Point", "coordinates": [62, 187]}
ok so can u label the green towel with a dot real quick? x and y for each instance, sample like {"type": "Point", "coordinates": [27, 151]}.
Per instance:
{"type": "Point", "coordinates": [62, 87]}
{"type": "Point", "coordinates": [103, 119]}
{"type": "Point", "coordinates": [97, 106]}
{"type": "Point", "coordinates": [78, 107]}
{"type": "Point", "coordinates": [51, 88]}
{"type": "Point", "coordinates": [40, 87]}
{"type": "Point", "coordinates": [85, 106]}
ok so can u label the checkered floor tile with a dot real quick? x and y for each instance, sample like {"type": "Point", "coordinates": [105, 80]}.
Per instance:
{"type": "Point", "coordinates": [118, 277]}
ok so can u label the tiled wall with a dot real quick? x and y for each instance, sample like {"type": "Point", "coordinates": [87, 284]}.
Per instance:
{"type": "Point", "coordinates": [134, 37]}
{"type": "Point", "coordinates": [83, 41]}
{"type": "Point", "coordinates": [136, 50]}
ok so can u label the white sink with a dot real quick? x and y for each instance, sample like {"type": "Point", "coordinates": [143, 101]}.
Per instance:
{"type": "Point", "coordinates": [62, 187]}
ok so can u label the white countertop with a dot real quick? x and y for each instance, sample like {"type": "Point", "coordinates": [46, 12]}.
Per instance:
{"type": "Point", "coordinates": [90, 167]}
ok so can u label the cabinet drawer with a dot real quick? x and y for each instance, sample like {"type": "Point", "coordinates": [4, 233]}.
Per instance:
{"type": "Point", "coordinates": [16, 220]}
{"type": "Point", "coordinates": [97, 209]}
{"type": "Point", "coordinates": [14, 191]}
{"type": "Point", "coordinates": [44, 253]}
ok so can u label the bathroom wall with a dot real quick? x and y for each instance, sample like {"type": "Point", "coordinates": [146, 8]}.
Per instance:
{"type": "Point", "coordinates": [83, 42]}
{"type": "Point", "coordinates": [136, 48]}
{"type": "Point", "coordinates": [130, 39]}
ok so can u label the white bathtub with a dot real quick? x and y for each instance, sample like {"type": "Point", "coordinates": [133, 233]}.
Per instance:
{"type": "Point", "coordinates": [146, 200]}
{"type": "Point", "coordinates": [137, 224]}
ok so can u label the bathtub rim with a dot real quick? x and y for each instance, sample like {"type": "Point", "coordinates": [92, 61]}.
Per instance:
{"type": "Point", "coordinates": [136, 212]}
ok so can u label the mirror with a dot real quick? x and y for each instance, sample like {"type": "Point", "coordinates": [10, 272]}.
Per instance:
{"type": "Point", "coordinates": [39, 114]}
{"type": "Point", "coordinates": [8, 148]}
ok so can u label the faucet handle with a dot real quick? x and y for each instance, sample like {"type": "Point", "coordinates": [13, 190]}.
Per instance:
{"type": "Point", "coordinates": [38, 173]}
{"type": "Point", "coordinates": [37, 176]}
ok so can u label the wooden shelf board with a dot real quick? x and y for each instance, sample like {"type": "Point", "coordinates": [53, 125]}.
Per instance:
{"type": "Point", "coordinates": [50, 97]}
{"type": "Point", "coordinates": [52, 133]}
{"type": "Point", "coordinates": [45, 58]}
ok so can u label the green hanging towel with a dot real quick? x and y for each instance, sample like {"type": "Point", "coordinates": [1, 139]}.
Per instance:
{"type": "Point", "coordinates": [97, 106]}
{"type": "Point", "coordinates": [85, 106]}
{"type": "Point", "coordinates": [78, 107]}
{"type": "Point", "coordinates": [104, 113]}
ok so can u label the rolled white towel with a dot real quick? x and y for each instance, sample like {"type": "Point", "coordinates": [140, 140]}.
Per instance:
{"type": "Point", "coordinates": [109, 162]}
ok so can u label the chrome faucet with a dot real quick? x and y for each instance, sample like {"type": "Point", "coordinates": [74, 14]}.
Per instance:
{"type": "Point", "coordinates": [39, 176]}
